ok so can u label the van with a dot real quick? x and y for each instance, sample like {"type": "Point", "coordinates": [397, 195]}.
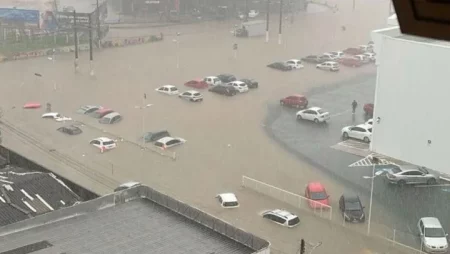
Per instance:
{"type": "Point", "coordinates": [110, 118]}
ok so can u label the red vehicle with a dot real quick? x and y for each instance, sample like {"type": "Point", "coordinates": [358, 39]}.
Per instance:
{"type": "Point", "coordinates": [319, 199]}
{"type": "Point", "coordinates": [30, 105]}
{"type": "Point", "coordinates": [353, 51]}
{"type": "Point", "coordinates": [350, 61]}
{"type": "Point", "coordinates": [297, 101]}
{"type": "Point", "coordinates": [197, 83]}
{"type": "Point", "coordinates": [368, 109]}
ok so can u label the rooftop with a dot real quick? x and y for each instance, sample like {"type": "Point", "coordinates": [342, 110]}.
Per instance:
{"type": "Point", "coordinates": [136, 220]}
{"type": "Point", "coordinates": [25, 194]}
{"type": "Point", "coordinates": [395, 32]}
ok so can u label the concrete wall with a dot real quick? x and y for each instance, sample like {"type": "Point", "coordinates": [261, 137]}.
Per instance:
{"type": "Point", "coordinates": [411, 96]}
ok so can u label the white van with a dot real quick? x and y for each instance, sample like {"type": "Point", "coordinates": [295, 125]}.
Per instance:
{"type": "Point", "coordinates": [212, 81]}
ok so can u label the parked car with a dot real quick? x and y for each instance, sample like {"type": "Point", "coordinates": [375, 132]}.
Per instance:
{"type": "Point", "coordinates": [363, 58]}
{"type": "Point", "coordinates": [70, 130]}
{"type": "Point", "coordinates": [360, 132]}
{"type": "Point", "coordinates": [371, 56]}
{"type": "Point", "coordinates": [319, 199]}
{"type": "Point", "coordinates": [314, 114]}
{"type": "Point", "coordinates": [368, 109]}
{"type": "Point", "coordinates": [154, 136]}
{"type": "Point", "coordinates": [296, 101]}
{"type": "Point", "coordinates": [239, 86]}
{"type": "Point", "coordinates": [432, 235]}
{"type": "Point", "coordinates": [191, 95]}
{"type": "Point", "coordinates": [282, 217]}
{"type": "Point", "coordinates": [127, 185]}
{"type": "Point", "coordinates": [226, 78]}
{"type": "Point", "coordinates": [369, 122]}
{"type": "Point", "coordinates": [225, 90]}
{"type": "Point", "coordinates": [410, 174]}
{"type": "Point", "coordinates": [282, 66]}
{"type": "Point", "coordinates": [168, 142]}
{"type": "Point", "coordinates": [366, 48]}
{"type": "Point", "coordinates": [313, 59]}
{"type": "Point", "coordinates": [110, 118]}
{"type": "Point", "coordinates": [337, 54]}
{"type": "Point", "coordinates": [87, 109]}
{"type": "Point", "coordinates": [103, 143]}
{"type": "Point", "coordinates": [56, 116]}
{"type": "Point", "coordinates": [295, 63]}
{"type": "Point", "coordinates": [351, 208]}
{"type": "Point", "coordinates": [212, 81]}
{"type": "Point", "coordinates": [330, 66]}
{"type": "Point", "coordinates": [228, 200]}
{"type": "Point", "coordinates": [353, 51]}
{"type": "Point", "coordinates": [197, 83]}
{"type": "Point", "coordinates": [350, 61]}
{"type": "Point", "coordinates": [329, 56]}
{"type": "Point", "coordinates": [168, 89]}
{"type": "Point", "coordinates": [251, 83]}
{"type": "Point", "coordinates": [32, 105]}
{"type": "Point", "coordinates": [99, 113]}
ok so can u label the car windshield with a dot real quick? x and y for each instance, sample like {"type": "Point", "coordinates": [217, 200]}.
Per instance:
{"type": "Point", "coordinates": [318, 195]}
{"type": "Point", "coordinates": [370, 130]}
{"type": "Point", "coordinates": [159, 144]}
{"type": "Point", "coordinates": [395, 170]}
{"type": "Point", "coordinates": [196, 94]}
{"type": "Point", "coordinates": [108, 142]}
{"type": "Point", "coordinates": [293, 221]}
{"type": "Point", "coordinates": [75, 130]}
{"type": "Point", "coordinates": [434, 232]}
{"type": "Point", "coordinates": [230, 204]}
{"type": "Point", "coordinates": [352, 206]}
{"type": "Point", "coordinates": [320, 111]}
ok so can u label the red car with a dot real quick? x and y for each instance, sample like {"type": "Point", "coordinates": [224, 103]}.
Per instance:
{"type": "Point", "coordinates": [353, 51]}
{"type": "Point", "coordinates": [317, 195]}
{"type": "Point", "coordinates": [297, 101]}
{"type": "Point", "coordinates": [350, 61]}
{"type": "Point", "coordinates": [197, 83]}
{"type": "Point", "coordinates": [32, 105]}
{"type": "Point", "coordinates": [368, 109]}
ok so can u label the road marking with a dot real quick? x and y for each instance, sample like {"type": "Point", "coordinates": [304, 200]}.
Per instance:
{"type": "Point", "coordinates": [341, 113]}
{"type": "Point", "coordinates": [366, 162]}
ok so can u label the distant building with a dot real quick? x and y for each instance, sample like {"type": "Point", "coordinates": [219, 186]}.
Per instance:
{"type": "Point", "coordinates": [137, 220]}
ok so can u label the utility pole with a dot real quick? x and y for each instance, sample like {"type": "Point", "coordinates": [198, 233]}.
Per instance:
{"type": "Point", "coordinates": [281, 22]}
{"type": "Point", "coordinates": [75, 36]}
{"type": "Point", "coordinates": [98, 27]}
{"type": "Point", "coordinates": [91, 51]}
{"type": "Point", "coordinates": [246, 10]}
{"type": "Point", "coordinates": [267, 20]}
{"type": "Point", "coordinates": [354, 3]}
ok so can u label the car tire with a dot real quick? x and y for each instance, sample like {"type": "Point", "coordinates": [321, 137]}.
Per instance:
{"type": "Point", "coordinates": [431, 181]}
{"type": "Point", "coordinates": [345, 136]}
{"type": "Point", "coordinates": [316, 120]}
{"type": "Point", "coordinates": [299, 117]}
{"type": "Point", "coordinates": [401, 183]}
{"type": "Point", "coordinates": [366, 139]}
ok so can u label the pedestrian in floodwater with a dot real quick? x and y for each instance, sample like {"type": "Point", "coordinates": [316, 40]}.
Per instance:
{"type": "Point", "coordinates": [354, 105]}
{"type": "Point", "coordinates": [49, 107]}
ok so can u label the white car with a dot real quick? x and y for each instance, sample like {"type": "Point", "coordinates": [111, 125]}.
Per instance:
{"type": "Point", "coordinates": [167, 142]}
{"type": "Point", "coordinates": [253, 13]}
{"type": "Point", "coordinates": [212, 81]}
{"type": "Point", "coordinates": [103, 143]}
{"type": "Point", "coordinates": [331, 66]}
{"type": "Point", "coordinates": [369, 122]}
{"type": "Point", "coordinates": [56, 116]}
{"type": "Point", "coordinates": [363, 58]}
{"type": "Point", "coordinates": [329, 56]}
{"type": "Point", "coordinates": [239, 85]}
{"type": "Point", "coordinates": [366, 48]}
{"type": "Point", "coordinates": [337, 54]}
{"type": "Point", "coordinates": [192, 95]}
{"type": "Point", "coordinates": [295, 63]}
{"type": "Point", "coordinates": [315, 114]}
{"type": "Point", "coordinates": [432, 235]}
{"type": "Point", "coordinates": [362, 132]}
{"type": "Point", "coordinates": [228, 200]}
{"type": "Point", "coordinates": [168, 89]}
{"type": "Point", "coordinates": [282, 217]}
{"type": "Point", "coordinates": [371, 56]}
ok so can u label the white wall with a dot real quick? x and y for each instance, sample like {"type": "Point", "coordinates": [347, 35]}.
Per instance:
{"type": "Point", "coordinates": [413, 102]}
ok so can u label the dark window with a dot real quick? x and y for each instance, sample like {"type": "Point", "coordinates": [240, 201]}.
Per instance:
{"type": "Point", "coordinates": [108, 143]}
{"type": "Point", "coordinates": [280, 220]}
{"type": "Point", "coordinates": [230, 204]}
{"type": "Point", "coordinates": [220, 199]}
{"type": "Point", "coordinates": [294, 221]}
{"type": "Point", "coordinates": [171, 142]}
{"type": "Point", "coordinates": [159, 144]}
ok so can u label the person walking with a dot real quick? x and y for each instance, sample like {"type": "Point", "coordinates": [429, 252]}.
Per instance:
{"type": "Point", "coordinates": [354, 105]}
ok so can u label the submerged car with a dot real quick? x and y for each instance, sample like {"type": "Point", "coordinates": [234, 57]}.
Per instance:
{"type": "Point", "coordinates": [191, 95]}
{"type": "Point", "coordinates": [251, 83]}
{"type": "Point", "coordinates": [154, 136]}
{"type": "Point", "coordinates": [103, 143]}
{"type": "Point", "coordinates": [282, 66]}
{"type": "Point", "coordinates": [226, 78]}
{"type": "Point", "coordinates": [350, 61]}
{"type": "Point", "coordinates": [351, 208]}
{"type": "Point", "coordinates": [296, 101]}
{"type": "Point", "coordinates": [317, 195]}
{"type": "Point", "coordinates": [239, 86]}
{"type": "Point", "coordinates": [32, 105]}
{"type": "Point", "coordinates": [313, 59]}
{"type": "Point", "coordinates": [56, 116]}
{"type": "Point", "coordinates": [228, 200]}
{"type": "Point", "coordinates": [329, 65]}
{"type": "Point", "coordinates": [197, 83]}
{"type": "Point", "coordinates": [87, 109]}
{"type": "Point", "coordinates": [99, 113]}
{"type": "Point", "coordinates": [361, 132]}
{"type": "Point", "coordinates": [168, 142]}
{"type": "Point", "coordinates": [70, 130]}
{"type": "Point", "coordinates": [295, 63]}
{"type": "Point", "coordinates": [225, 90]}
{"type": "Point", "coordinates": [167, 89]}
{"type": "Point", "coordinates": [111, 118]}
{"type": "Point", "coordinates": [282, 217]}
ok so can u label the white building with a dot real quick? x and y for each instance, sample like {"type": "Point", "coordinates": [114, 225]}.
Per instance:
{"type": "Point", "coordinates": [412, 99]}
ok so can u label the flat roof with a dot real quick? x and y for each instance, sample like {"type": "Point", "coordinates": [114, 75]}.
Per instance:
{"type": "Point", "coordinates": [137, 220]}
{"type": "Point", "coordinates": [395, 32]}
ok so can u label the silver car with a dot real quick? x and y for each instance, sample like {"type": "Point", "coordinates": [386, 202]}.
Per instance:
{"type": "Point", "coordinates": [410, 174]}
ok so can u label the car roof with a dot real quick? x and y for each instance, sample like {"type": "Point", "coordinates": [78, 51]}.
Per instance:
{"type": "Point", "coordinates": [350, 197]}
{"type": "Point", "coordinates": [225, 74]}
{"type": "Point", "coordinates": [297, 95]}
{"type": "Point", "coordinates": [129, 184]}
{"type": "Point", "coordinates": [331, 62]}
{"type": "Point", "coordinates": [169, 86]}
{"type": "Point", "coordinates": [72, 127]}
{"type": "Point", "coordinates": [431, 222]}
{"type": "Point", "coordinates": [101, 110]}
{"type": "Point", "coordinates": [112, 114]}
{"type": "Point", "coordinates": [212, 77]}
{"type": "Point", "coordinates": [237, 82]}
{"type": "Point", "coordinates": [294, 60]}
{"type": "Point", "coordinates": [192, 91]}
{"type": "Point", "coordinates": [50, 113]}
{"type": "Point", "coordinates": [363, 126]}
{"type": "Point", "coordinates": [316, 187]}
{"type": "Point", "coordinates": [104, 139]}
{"type": "Point", "coordinates": [89, 106]}
{"type": "Point", "coordinates": [165, 139]}
{"type": "Point", "coordinates": [228, 197]}
{"type": "Point", "coordinates": [314, 108]}
{"type": "Point", "coordinates": [284, 213]}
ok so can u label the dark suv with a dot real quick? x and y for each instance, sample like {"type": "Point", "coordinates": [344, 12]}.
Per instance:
{"type": "Point", "coordinates": [225, 90]}
{"type": "Point", "coordinates": [226, 78]}
{"type": "Point", "coordinates": [351, 208]}
{"type": "Point", "coordinates": [154, 136]}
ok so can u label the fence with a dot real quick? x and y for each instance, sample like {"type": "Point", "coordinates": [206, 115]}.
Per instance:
{"type": "Point", "coordinates": [293, 199]}
{"type": "Point", "coordinates": [406, 241]}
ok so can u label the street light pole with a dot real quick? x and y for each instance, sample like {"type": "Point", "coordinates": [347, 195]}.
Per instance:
{"type": "Point", "coordinates": [281, 22]}
{"type": "Point", "coordinates": [91, 50]}
{"type": "Point", "coordinates": [267, 20]}
{"type": "Point", "coordinates": [371, 199]}
{"type": "Point", "coordinates": [98, 27]}
{"type": "Point", "coordinates": [75, 36]}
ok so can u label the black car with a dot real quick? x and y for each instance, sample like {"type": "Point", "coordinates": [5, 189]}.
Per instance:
{"type": "Point", "coordinates": [282, 66]}
{"type": "Point", "coordinates": [70, 130]}
{"type": "Point", "coordinates": [251, 83]}
{"type": "Point", "coordinates": [351, 208]}
{"type": "Point", "coordinates": [314, 59]}
{"type": "Point", "coordinates": [154, 136]}
{"type": "Point", "coordinates": [226, 78]}
{"type": "Point", "coordinates": [225, 90]}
